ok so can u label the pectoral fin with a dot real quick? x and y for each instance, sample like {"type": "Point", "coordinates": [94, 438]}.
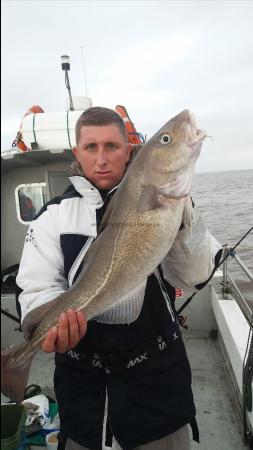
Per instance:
{"type": "Point", "coordinates": [148, 199]}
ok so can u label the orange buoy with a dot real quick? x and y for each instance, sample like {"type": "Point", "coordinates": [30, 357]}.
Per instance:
{"type": "Point", "coordinates": [132, 134]}
{"type": "Point", "coordinates": [18, 142]}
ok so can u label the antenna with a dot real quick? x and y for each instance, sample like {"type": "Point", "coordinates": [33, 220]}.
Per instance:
{"type": "Point", "coordinates": [84, 73]}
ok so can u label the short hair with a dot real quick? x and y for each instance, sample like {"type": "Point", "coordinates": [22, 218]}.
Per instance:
{"type": "Point", "coordinates": [98, 116]}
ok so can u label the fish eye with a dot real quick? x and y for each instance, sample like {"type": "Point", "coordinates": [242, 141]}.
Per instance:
{"type": "Point", "coordinates": [165, 138]}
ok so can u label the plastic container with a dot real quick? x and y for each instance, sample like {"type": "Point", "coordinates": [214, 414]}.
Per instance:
{"type": "Point", "coordinates": [39, 438]}
{"type": "Point", "coordinates": [52, 440]}
{"type": "Point", "coordinates": [13, 418]}
{"type": "Point", "coordinates": [52, 131]}
{"type": "Point", "coordinates": [52, 423]}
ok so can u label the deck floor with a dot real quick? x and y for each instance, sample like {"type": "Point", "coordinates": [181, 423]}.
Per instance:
{"type": "Point", "coordinates": [218, 414]}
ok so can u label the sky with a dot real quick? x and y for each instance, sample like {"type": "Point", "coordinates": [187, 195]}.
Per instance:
{"type": "Point", "coordinates": [156, 58]}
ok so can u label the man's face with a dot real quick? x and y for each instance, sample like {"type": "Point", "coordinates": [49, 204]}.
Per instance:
{"type": "Point", "coordinates": [102, 152]}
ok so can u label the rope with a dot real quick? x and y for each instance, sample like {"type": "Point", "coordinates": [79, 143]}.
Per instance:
{"type": "Point", "coordinates": [222, 261]}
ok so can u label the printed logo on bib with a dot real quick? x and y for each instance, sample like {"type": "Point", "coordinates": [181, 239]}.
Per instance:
{"type": "Point", "coordinates": [138, 360]}
{"type": "Point", "coordinates": [74, 355]}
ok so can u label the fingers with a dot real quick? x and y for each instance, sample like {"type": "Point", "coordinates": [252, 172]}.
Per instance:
{"type": "Point", "coordinates": [82, 322]}
{"type": "Point", "coordinates": [49, 342]}
{"type": "Point", "coordinates": [72, 327]}
{"type": "Point", "coordinates": [77, 327]}
{"type": "Point", "coordinates": [74, 333]}
{"type": "Point", "coordinates": [62, 344]}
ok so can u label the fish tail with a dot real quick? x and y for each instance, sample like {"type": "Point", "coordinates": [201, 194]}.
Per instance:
{"type": "Point", "coordinates": [15, 371]}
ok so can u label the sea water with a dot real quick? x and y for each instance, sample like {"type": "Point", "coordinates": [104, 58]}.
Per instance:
{"type": "Point", "coordinates": [225, 200]}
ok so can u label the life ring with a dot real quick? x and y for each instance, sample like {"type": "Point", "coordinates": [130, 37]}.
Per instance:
{"type": "Point", "coordinates": [133, 136]}
{"type": "Point", "coordinates": [18, 142]}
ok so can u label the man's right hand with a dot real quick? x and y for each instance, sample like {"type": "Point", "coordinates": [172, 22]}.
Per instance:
{"type": "Point", "coordinates": [71, 329]}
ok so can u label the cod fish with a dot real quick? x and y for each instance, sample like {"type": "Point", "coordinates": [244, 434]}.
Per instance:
{"type": "Point", "coordinates": [138, 229]}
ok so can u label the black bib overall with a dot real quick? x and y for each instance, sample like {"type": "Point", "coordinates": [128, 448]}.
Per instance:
{"type": "Point", "coordinates": [144, 369]}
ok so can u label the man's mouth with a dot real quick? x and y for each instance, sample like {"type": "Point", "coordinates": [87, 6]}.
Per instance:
{"type": "Point", "coordinates": [103, 173]}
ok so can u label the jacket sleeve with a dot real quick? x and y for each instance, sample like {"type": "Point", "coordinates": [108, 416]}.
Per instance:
{"type": "Point", "coordinates": [41, 273]}
{"type": "Point", "coordinates": [194, 254]}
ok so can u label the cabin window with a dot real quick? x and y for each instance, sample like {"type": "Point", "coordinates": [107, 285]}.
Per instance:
{"type": "Point", "coordinates": [29, 200]}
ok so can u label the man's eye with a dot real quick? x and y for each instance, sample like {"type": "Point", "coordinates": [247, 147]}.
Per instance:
{"type": "Point", "coordinates": [91, 147]}
{"type": "Point", "coordinates": [111, 146]}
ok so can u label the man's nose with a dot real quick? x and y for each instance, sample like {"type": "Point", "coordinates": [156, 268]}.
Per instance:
{"type": "Point", "coordinates": [101, 157]}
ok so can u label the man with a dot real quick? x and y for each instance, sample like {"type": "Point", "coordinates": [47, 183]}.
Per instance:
{"type": "Point", "coordinates": [127, 373]}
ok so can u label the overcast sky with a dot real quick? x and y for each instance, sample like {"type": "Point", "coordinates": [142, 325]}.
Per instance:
{"type": "Point", "coordinates": [154, 57]}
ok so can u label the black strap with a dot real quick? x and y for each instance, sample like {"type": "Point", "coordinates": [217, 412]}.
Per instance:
{"type": "Point", "coordinates": [171, 292]}
{"type": "Point", "coordinates": [108, 433]}
{"type": "Point", "coordinates": [7, 314]}
{"type": "Point", "coordinates": [61, 441]}
{"type": "Point", "coordinates": [32, 390]}
{"type": "Point", "coordinates": [200, 286]}
{"type": "Point", "coordinates": [195, 429]}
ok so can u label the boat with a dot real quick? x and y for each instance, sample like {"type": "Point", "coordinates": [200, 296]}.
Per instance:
{"type": "Point", "coordinates": [217, 326]}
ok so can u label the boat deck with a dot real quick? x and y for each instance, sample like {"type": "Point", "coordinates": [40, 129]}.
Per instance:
{"type": "Point", "coordinates": [218, 411]}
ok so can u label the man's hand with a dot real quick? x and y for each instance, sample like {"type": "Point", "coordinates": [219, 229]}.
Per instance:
{"type": "Point", "coordinates": [72, 327]}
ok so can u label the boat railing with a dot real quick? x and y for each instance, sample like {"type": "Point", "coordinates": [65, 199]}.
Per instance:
{"type": "Point", "coordinates": [229, 286]}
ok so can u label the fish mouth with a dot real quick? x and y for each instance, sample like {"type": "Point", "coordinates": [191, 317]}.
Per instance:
{"type": "Point", "coordinates": [195, 135]}
{"type": "Point", "coordinates": [180, 181]}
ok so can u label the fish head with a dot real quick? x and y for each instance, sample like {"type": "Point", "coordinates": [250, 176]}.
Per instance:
{"type": "Point", "coordinates": [171, 155]}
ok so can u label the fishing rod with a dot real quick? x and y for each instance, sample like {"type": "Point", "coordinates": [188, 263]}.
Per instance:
{"type": "Point", "coordinates": [230, 253]}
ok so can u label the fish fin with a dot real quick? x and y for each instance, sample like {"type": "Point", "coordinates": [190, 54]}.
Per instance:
{"type": "Point", "coordinates": [14, 376]}
{"type": "Point", "coordinates": [34, 317]}
{"type": "Point", "coordinates": [148, 199]}
{"type": "Point", "coordinates": [188, 212]}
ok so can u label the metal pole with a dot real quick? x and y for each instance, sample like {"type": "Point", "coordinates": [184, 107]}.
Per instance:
{"type": "Point", "coordinates": [244, 268]}
{"type": "Point", "coordinates": [225, 273]}
{"type": "Point", "coordinates": [71, 106]}
{"type": "Point", "coordinates": [238, 296]}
